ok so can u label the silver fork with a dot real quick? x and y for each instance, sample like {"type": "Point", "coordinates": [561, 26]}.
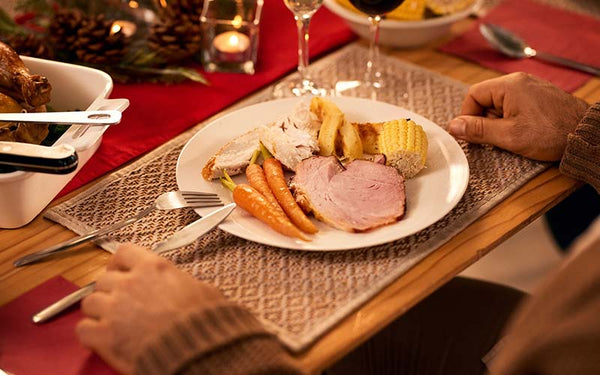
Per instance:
{"type": "Point", "coordinates": [166, 201]}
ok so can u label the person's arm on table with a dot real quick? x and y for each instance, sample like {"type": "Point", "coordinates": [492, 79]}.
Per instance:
{"type": "Point", "coordinates": [581, 159]}
{"type": "Point", "coordinates": [148, 317]}
{"type": "Point", "coordinates": [557, 331]}
{"type": "Point", "coordinates": [531, 117]}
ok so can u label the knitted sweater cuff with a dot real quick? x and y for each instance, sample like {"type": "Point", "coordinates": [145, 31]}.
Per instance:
{"type": "Point", "coordinates": [581, 159]}
{"type": "Point", "coordinates": [197, 334]}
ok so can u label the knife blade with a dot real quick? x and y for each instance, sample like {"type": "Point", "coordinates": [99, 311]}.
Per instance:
{"type": "Point", "coordinates": [194, 230]}
{"type": "Point", "coordinates": [183, 237]}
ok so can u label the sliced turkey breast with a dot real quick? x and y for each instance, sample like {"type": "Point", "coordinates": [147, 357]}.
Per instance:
{"type": "Point", "coordinates": [234, 157]}
{"type": "Point", "coordinates": [293, 138]}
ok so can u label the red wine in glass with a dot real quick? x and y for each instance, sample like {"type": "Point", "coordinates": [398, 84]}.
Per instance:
{"type": "Point", "coordinates": [375, 9]}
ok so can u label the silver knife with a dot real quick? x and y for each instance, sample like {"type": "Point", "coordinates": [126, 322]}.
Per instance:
{"type": "Point", "coordinates": [194, 230]}
{"type": "Point", "coordinates": [183, 237]}
{"type": "Point", "coordinates": [71, 118]}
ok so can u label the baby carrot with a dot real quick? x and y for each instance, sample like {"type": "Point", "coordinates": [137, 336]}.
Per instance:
{"type": "Point", "coordinates": [254, 202]}
{"type": "Point", "coordinates": [276, 181]}
{"type": "Point", "coordinates": [256, 179]}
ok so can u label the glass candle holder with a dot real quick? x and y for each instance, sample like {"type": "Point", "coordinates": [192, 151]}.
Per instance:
{"type": "Point", "coordinates": [230, 35]}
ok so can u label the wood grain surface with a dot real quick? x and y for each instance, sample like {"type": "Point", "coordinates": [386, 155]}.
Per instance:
{"type": "Point", "coordinates": [525, 205]}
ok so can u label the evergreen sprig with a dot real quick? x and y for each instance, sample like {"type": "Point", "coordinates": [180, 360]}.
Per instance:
{"type": "Point", "coordinates": [141, 64]}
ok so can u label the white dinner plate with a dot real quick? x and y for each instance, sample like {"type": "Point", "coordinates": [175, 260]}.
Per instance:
{"type": "Point", "coordinates": [429, 196]}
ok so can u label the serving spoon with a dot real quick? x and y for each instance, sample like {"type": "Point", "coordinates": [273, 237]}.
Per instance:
{"type": "Point", "coordinates": [97, 118]}
{"type": "Point", "coordinates": [510, 44]}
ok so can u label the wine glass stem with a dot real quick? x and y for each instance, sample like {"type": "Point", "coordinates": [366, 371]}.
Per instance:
{"type": "Point", "coordinates": [373, 75]}
{"type": "Point", "coordinates": [303, 23]}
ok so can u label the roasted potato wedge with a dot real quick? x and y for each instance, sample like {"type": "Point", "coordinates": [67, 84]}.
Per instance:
{"type": "Point", "coordinates": [369, 135]}
{"type": "Point", "coordinates": [331, 120]}
{"type": "Point", "coordinates": [350, 142]}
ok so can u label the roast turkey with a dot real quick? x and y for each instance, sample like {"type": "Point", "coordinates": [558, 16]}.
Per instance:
{"type": "Point", "coordinates": [21, 91]}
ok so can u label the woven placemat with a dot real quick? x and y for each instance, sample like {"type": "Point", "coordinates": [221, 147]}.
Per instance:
{"type": "Point", "coordinates": [300, 295]}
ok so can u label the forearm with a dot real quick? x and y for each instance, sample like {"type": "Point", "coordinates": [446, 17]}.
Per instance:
{"type": "Point", "coordinates": [221, 340]}
{"type": "Point", "coordinates": [581, 159]}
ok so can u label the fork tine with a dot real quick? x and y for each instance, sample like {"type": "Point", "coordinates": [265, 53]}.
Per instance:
{"type": "Point", "coordinates": [207, 204]}
{"type": "Point", "coordinates": [191, 199]}
{"type": "Point", "coordinates": [197, 194]}
{"type": "Point", "coordinates": [214, 201]}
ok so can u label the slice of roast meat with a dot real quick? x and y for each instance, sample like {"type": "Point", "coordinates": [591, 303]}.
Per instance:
{"type": "Point", "coordinates": [362, 196]}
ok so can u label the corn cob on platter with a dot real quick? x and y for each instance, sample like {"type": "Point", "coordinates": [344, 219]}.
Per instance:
{"type": "Point", "coordinates": [326, 169]}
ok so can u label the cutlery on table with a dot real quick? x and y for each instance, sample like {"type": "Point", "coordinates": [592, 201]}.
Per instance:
{"type": "Point", "coordinates": [166, 201]}
{"type": "Point", "coordinates": [181, 238]}
{"type": "Point", "coordinates": [512, 45]}
{"type": "Point", "coordinates": [98, 118]}
{"type": "Point", "coordinates": [60, 159]}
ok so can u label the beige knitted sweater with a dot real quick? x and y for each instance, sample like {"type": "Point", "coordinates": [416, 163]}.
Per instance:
{"type": "Point", "coordinates": [555, 332]}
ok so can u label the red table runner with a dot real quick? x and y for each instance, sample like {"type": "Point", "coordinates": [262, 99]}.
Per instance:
{"type": "Point", "coordinates": [51, 348]}
{"type": "Point", "coordinates": [546, 28]}
{"type": "Point", "coordinates": [158, 112]}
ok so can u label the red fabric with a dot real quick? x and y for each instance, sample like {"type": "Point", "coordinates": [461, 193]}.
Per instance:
{"type": "Point", "coordinates": [545, 28]}
{"type": "Point", "coordinates": [49, 348]}
{"type": "Point", "coordinates": [158, 113]}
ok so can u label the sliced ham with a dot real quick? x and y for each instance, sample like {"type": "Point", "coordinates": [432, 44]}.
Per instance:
{"type": "Point", "coordinates": [356, 198]}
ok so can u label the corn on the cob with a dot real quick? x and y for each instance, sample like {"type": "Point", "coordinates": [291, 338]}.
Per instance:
{"type": "Point", "coordinates": [404, 145]}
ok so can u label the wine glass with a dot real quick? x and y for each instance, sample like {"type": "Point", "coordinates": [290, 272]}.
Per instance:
{"type": "Point", "coordinates": [303, 11]}
{"type": "Point", "coordinates": [375, 9]}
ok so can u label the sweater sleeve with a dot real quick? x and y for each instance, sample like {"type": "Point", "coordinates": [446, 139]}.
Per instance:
{"type": "Point", "coordinates": [224, 339]}
{"type": "Point", "coordinates": [557, 331]}
{"type": "Point", "coordinates": [581, 159]}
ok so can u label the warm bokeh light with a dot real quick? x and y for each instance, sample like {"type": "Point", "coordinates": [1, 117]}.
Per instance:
{"type": "Point", "coordinates": [237, 21]}
{"type": "Point", "coordinates": [115, 28]}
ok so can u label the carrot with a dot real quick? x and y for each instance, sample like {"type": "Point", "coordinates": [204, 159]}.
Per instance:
{"type": "Point", "coordinates": [276, 181]}
{"type": "Point", "coordinates": [254, 202]}
{"type": "Point", "coordinates": [256, 178]}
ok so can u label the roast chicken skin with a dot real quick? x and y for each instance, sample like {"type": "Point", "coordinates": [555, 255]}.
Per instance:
{"type": "Point", "coordinates": [30, 90]}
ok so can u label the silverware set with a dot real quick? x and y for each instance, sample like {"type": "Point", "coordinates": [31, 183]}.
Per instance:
{"type": "Point", "coordinates": [166, 201]}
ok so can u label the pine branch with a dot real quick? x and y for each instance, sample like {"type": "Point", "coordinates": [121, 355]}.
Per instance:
{"type": "Point", "coordinates": [8, 25]}
{"type": "Point", "coordinates": [40, 7]}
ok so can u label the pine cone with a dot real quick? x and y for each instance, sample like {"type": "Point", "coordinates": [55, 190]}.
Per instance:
{"type": "Point", "coordinates": [88, 38]}
{"type": "Point", "coordinates": [177, 34]}
{"type": "Point", "coordinates": [30, 45]}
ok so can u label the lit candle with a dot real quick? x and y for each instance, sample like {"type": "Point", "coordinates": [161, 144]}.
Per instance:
{"type": "Point", "coordinates": [128, 28]}
{"type": "Point", "coordinates": [232, 42]}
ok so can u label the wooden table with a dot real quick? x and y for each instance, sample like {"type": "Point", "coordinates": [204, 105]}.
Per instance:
{"type": "Point", "coordinates": [524, 206]}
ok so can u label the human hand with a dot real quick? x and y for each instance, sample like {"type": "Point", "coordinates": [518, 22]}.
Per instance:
{"type": "Point", "coordinates": [135, 301]}
{"type": "Point", "coordinates": [520, 113]}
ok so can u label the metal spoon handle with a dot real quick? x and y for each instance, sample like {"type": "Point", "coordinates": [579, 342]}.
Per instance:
{"type": "Point", "coordinates": [569, 63]}
{"type": "Point", "coordinates": [72, 118]}
{"type": "Point", "coordinates": [64, 303]}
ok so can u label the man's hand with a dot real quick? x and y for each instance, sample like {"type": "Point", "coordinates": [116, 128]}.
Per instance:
{"type": "Point", "coordinates": [520, 113]}
{"type": "Point", "coordinates": [135, 301]}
